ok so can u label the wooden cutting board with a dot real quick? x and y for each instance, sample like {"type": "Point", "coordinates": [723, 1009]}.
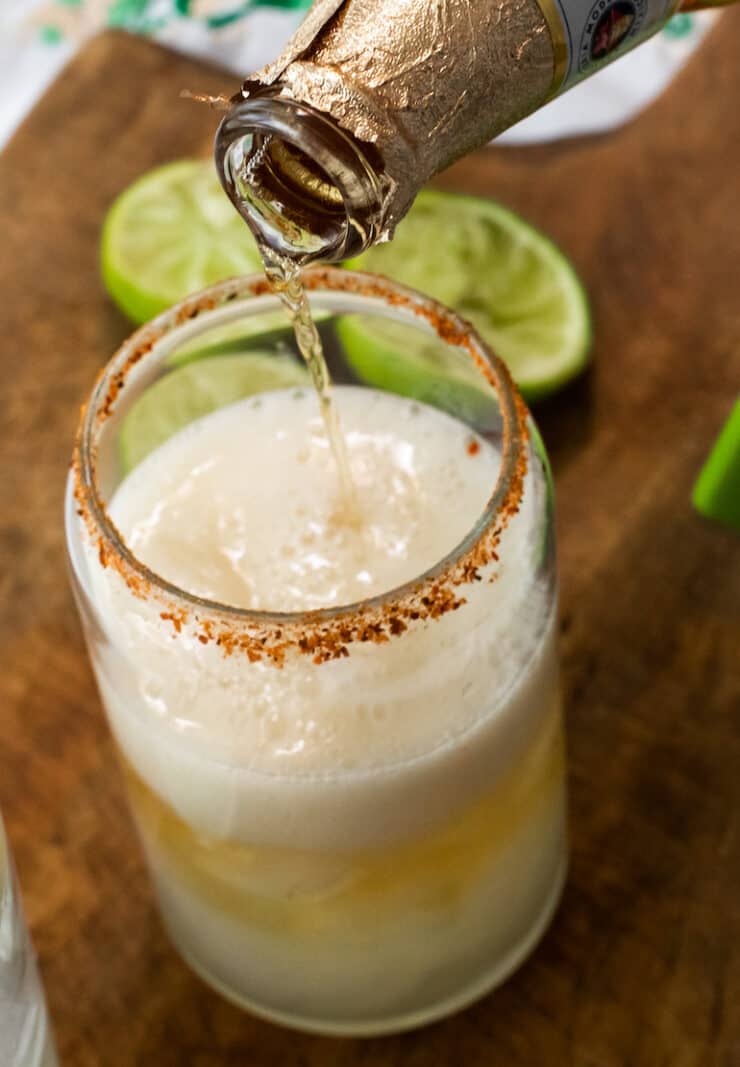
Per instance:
{"type": "Point", "coordinates": [642, 965]}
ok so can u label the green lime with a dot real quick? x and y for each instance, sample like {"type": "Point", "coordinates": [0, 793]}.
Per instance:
{"type": "Point", "coordinates": [398, 357]}
{"type": "Point", "coordinates": [194, 390]}
{"type": "Point", "coordinates": [497, 271]}
{"type": "Point", "coordinates": [271, 329]}
{"type": "Point", "coordinates": [171, 233]}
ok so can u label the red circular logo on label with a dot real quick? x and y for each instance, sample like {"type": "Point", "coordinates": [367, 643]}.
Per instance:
{"type": "Point", "coordinates": [609, 24]}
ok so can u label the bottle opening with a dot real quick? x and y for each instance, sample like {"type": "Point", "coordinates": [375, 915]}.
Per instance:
{"type": "Point", "coordinates": [288, 202]}
{"type": "Point", "coordinates": [299, 174]}
{"type": "Point", "coordinates": [304, 187]}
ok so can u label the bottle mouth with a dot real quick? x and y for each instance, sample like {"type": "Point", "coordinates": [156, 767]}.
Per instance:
{"type": "Point", "coordinates": [305, 189]}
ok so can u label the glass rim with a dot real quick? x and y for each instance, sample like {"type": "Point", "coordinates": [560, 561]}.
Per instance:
{"type": "Point", "coordinates": [321, 633]}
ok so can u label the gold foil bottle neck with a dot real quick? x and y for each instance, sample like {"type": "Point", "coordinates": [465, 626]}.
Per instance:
{"type": "Point", "coordinates": [422, 81]}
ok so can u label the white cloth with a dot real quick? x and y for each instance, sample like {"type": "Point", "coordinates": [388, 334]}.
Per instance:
{"type": "Point", "coordinates": [37, 37]}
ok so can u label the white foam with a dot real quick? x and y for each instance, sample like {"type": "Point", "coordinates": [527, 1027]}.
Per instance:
{"type": "Point", "coordinates": [243, 506]}
{"type": "Point", "coordinates": [368, 748]}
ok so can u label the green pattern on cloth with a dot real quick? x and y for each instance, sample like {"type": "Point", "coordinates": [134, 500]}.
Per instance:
{"type": "Point", "coordinates": [138, 16]}
{"type": "Point", "coordinates": [50, 35]}
{"type": "Point", "coordinates": [239, 10]}
{"type": "Point", "coordinates": [148, 16]}
{"type": "Point", "coordinates": [679, 26]}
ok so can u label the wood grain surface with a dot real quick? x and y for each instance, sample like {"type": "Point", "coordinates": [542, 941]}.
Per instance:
{"type": "Point", "coordinates": [642, 965]}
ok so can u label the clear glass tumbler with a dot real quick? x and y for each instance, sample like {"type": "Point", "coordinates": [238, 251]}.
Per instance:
{"type": "Point", "coordinates": [25, 1034]}
{"type": "Point", "coordinates": [354, 816]}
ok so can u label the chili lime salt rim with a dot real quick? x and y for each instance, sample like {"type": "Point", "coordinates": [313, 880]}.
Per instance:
{"type": "Point", "coordinates": [327, 633]}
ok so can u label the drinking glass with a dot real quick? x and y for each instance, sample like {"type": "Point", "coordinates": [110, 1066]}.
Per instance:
{"type": "Point", "coordinates": [403, 857]}
{"type": "Point", "coordinates": [25, 1034]}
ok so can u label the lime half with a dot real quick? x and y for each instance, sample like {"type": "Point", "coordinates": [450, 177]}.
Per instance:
{"type": "Point", "coordinates": [508, 279]}
{"type": "Point", "coordinates": [171, 233]}
{"type": "Point", "coordinates": [270, 329]}
{"type": "Point", "coordinates": [196, 389]}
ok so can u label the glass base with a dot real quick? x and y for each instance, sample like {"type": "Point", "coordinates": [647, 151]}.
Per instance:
{"type": "Point", "coordinates": [483, 985]}
{"type": "Point", "coordinates": [38, 1052]}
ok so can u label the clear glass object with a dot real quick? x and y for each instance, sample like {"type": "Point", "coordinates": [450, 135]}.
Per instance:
{"type": "Point", "coordinates": [354, 816]}
{"type": "Point", "coordinates": [305, 188]}
{"type": "Point", "coordinates": [25, 1033]}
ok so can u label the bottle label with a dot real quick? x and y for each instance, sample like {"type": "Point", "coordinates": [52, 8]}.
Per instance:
{"type": "Point", "coordinates": [588, 34]}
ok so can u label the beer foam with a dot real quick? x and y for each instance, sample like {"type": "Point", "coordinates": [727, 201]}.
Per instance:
{"type": "Point", "coordinates": [244, 507]}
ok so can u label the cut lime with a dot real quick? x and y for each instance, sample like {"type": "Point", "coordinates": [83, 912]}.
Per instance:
{"type": "Point", "coordinates": [271, 329]}
{"type": "Point", "coordinates": [261, 332]}
{"type": "Point", "coordinates": [497, 271]}
{"type": "Point", "coordinates": [404, 360]}
{"type": "Point", "coordinates": [194, 390]}
{"type": "Point", "coordinates": [171, 233]}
